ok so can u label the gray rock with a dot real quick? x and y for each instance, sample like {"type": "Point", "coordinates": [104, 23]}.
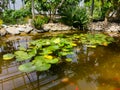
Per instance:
{"type": "Point", "coordinates": [12, 30]}
{"type": "Point", "coordinates": [55, 27]}
{"type": "Point", "coordinates": [28, 29]}
{"type": "Point", "coordinates": [21, 29]}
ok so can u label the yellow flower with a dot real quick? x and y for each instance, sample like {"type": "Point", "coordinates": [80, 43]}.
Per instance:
{"type": "Point", "coordinates": [73, 44]}
{"type": "Point", "coordinates": [48, 57]}
{"type": "Point", "coordinates": [1, 22]}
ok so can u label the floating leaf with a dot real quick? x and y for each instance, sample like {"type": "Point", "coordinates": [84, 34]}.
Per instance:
{"type": "Point", "coordinates": [8, 56]}
{"type": "Point", "coordinates": [21, 55]}
{"type": "Point", "coordinates": [32, 52]}
{"type": "Point", "coordinates": [38, 61]}
{"type": "Point", "coordinates": [43, 67]}
{"type": "Point", "coordinates": [68, 59]}
{"type": "Point", "coordinates": [52, 61]}
{"type": "Point", "coordinates": [22, 48]}
{"type": "Point", "coordinates": [91, 46]}
{"type": "Point", "coordinates": [53, 47]}
{"type": "Point", "coordinates": [46, 52]}
{"type": "Point", "coordinates": [27, 67]}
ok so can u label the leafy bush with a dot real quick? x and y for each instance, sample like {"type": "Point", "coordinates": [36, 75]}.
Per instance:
{"type": "Point", "coordinates": [75, 16]}
{"type": "Point", "coordinates": [39, 21]}
{"type": "Point", "coordinates": [100, 10]}
{"type": "Point", "coordinates": [15, 16]}
{"type": "Point", "coordinates": [21, 13]}
{"type": "Point", "coordinates": [7, 16]}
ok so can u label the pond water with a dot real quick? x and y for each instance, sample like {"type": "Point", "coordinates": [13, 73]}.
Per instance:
{"type": "Point", "coordinates": [91, 69]}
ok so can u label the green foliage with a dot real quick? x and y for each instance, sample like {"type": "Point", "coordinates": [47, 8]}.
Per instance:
{"type": "Point", "coordinates": [21, 13]}
{"type": "Point", "coordinates": [27, 67]}
{"type": "Point", "coordinates": [75, 16]}
{"type": "Point", "coordinates": [92, 40]}
{"type": "Point", "coordinates": [7, 16]}
{"type": "Point", "coordinates": [43, 53]}
{"type": "Point", "coordinates": [15, 16]}
{"type": "Point", "coordinates": [39, 21]}
{"type": "Point", "coordinates": [8, 56]}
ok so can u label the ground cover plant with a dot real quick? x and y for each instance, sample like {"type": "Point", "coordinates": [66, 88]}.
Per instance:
{"type": "Point", "coordinates": [43, 53]}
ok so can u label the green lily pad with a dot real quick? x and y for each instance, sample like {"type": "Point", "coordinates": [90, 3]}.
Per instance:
{"type": "Point", "coordinates": [52, 61]}
{"type": "Point", "coordinates": [8, 56]}
{"type": "Point", "coordinates": [22, 48]}
{"type": "Point", "coordinates": [68, 59]}
{"type": "Point", "coordinates": [43, 67]}
{"type": "Point", "coordinates": [21, 55]}
{"type": "Point", "coordinates": [27, 67]}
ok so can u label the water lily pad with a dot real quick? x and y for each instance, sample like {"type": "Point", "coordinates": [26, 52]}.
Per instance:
{"type": "Point", "coordinates": [27, 67]}
{"type": "Point", "coordinates": [22, 48]}
{"type": "Point", "coordinates": [52, 61]}
{"type": "Point", "coordinates": [8, 56]}
{"type": "Point", "coordinates": [21, 55]}
{"type": "Point", "coordinates": [68, 59]}
{"type": "Point", "coordinates": [43, 67]}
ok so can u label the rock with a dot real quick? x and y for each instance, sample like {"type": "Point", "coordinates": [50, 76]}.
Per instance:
{"type": "Point", "coordinates": [34, 32]}
{"type": "Point", "coordinates": [28, 29]}
{"type": "Point", "coordinates": [12, 30]}
{"type": "Point", "coordinates": [55, 27]}
{"type": "Point", "coordinates": [21, 29]}
{"type": "Point", "coordinates": [114, 15]}
{"type": "Point", "coordinates": [2, 32]}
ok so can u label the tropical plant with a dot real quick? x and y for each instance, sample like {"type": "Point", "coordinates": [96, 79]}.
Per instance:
{"type": "Point", "coordinates": [7, 16]}
{"type": "Point", "coordinates": [39, 20]}
{"type": "Point", "coordinates": [15, 16]}
{"type": "Point", "coordinates": [75, 16]}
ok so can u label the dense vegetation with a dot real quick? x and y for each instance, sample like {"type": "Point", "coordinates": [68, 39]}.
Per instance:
{"type": "Point", "coordinates": [69, 11]}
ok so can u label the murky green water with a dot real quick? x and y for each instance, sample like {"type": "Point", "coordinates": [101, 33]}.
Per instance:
{"type": "Point", "coordinates": [91, 69]}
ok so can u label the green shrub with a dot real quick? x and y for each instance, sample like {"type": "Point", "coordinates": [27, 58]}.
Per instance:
{"type": "Point", "coordinates": [39, 21]}
{"type": "Point", "coordinates": [75, 16]}
{"type": "Point", "coordinates": [7, 16]}
{"type": "Point", "coordinates": [15, 16]}
{"type": "Point", "coordinates": [21, 13]}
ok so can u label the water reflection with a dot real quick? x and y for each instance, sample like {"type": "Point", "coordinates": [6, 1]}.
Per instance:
{"type": "Point", "coordinates": [91, 69]}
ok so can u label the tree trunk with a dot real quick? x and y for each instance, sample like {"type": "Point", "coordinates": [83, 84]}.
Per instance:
{"type": "Point", "coordinates": [9, 4]}
{"type": "Point", "coordinates": [32, 7]}
{"type": "Point", "coordinates": [54, 12]}
{"type": "Point", "coordinates": [92, 8]}
{"type": "Point", "coordinates": [22, 3]}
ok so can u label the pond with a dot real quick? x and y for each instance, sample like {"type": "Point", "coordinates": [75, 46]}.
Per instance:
{"type": "Point", "coordinates": [91, 69]}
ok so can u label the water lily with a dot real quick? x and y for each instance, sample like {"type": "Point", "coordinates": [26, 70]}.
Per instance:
{"type": "Point", "coordinates": [48, 57]}
{"type": "Point", "coordinates": [73, 44]}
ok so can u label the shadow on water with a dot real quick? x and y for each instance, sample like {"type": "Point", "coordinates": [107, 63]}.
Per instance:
{"type": "Point", "coordinates": [91, 69]}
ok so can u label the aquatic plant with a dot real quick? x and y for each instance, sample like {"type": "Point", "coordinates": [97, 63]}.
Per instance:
{"type": "Point", "coordinates": [43, 53]}
{"type": "Point", "coordinates": [92, 40]}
